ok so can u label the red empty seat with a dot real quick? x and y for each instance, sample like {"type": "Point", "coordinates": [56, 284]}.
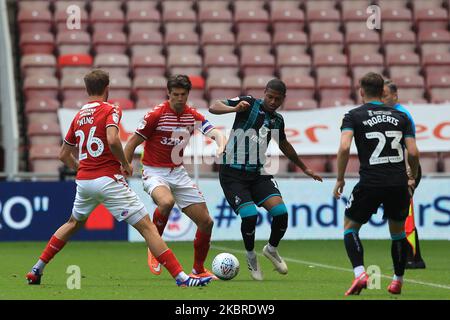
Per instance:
{"type": "Point", "coordinates": [62, 5]}
{"type": "Point", "coordinates": [330, 64]}
{"type": "Point", "coordinates": [144, 43]}
{"type": "Point", "coordinates": [44, 133]}
{"type": "Point", "coordinates": [439, 87]}
{"type": "Point", "coordinates": [149, 65]}
{"type": "Point", "coordinates": [244, 5]}
{"type": "Point", "coordinates": [293, 42]}
{"type": "Point", "coordinates": [176, 5]}
{"type": "Point", "coordinates": [427, 4]}
{"type": "Point", "coordinates": [299, 104]}
{"type": "Point", "coordinates": [75, 103]}
{"type": "Point", "coordinates": [392, 4]}
{"type": "Point", "coordinates": [320, 5]}
{"type": "Point", "coordinates": [190, 64]}
{"type": "Point", "coordinates": [324, 20]}
{"type": "Point", "coordinates": [45, 158]}
{"type": "Point", "coordinates": [34, 20]}
{"type": "Point", "coordinates": [363, 42]}
{"type": "Point", "coordinates": [403, 64]}
{"type": "Point", "coordinates": [65, 19]}
{"type": "Point", "coordinates": [399, 41]}
{"type": "Point", "coordinates": [300, 87]}
{"type": "Point", "coordinates": [251, 20]}
{"type": "Point", "coordinates": [42, 117]}
{"type": "Point", "coordinates": [198, 87]}
{"type": "Point", "coordinates": [120, 87]}
{"type": "Point", "coordinates": [436, 63]}
{"type": "Point", "coordinates": [78, 64]}
{"type": "Point", "coordinates": [38, 64]}
{"type": "Point", "coordinates": [336, 102]}
{"type": "Point", "coordinates": [215, 20]}
{"type": "Point", "coordinates": [37, 42]}
{"type": "Point", "coordinates": [431, 19]}
{"type": "Point", "coordinates": [115, 64]}
{"type": "Point", "coordinates": [148, 103]}
{"type": "Point", "coordinates": [214, 43]}
{"type": "Point", "coordinates": [221, 87]}
{"type": "Point", "coordinates": [396, 19]}
{"type": "Point", "coordinates": [434, 41]}
{"type": "Point", "coordinates": [182, 42]}
{"type": "Point", "coordinates": [355, 20]}
{"type": "Point", "coordinates": [109, 20]}
{"type": "Point", "coordinates": [150, 87]}
{"type": "Point", "coordinates": [143, 20]}
{"type": "Point", "coordinates": [361, 64]}
{"type": "Point", "coordinates": [106, 4]}
{"type": "Point", "coordinates": [287, 20]}
{"type": "Point", "coordinates": [35, 4]}
{"type": "Point", "coordinates": [73, 42]}
{"type": "Point", "coordinates": [197, 103]}
{"type": "Point", "coordinates": [43, 105]}
{"type": "Point", "coordinates": [329, 42]}
{"type": "Point", "coordinates": [72, 87]}
{"type": "Point", "coordinates": [411, 87]}
{"type": "Point", "coordinates": [257, 64]}
{"type": "Point", "coordinates": [281, 5]}
{"type": "Point", "coordinates": [41, 87]}
{"type": "Point", "coordinates": [255, 85]}
{"type": "Point", "coordinates": [290, 64]}
{"type": "Point", "coordinates": [141, 5]}
{"type": "Point", "coordinates": [223, 64]}
{"type": "Point", "coordinates": [254, 42]}
{"type": "Point", "coordinates": [109, 42]}
{"type": "Point", "coordinates": [212, 5]}
{"type": "Point", "coordinates": [334, 87]}
{"type": "Point", "coordinates": [183, 20]}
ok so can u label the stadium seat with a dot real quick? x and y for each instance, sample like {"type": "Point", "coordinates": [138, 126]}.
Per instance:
{"type": "Point", "coordinates": [36, 87]}
{"type": "Point", "coordinates": [434, 41]}
{"type": "Point", "coordinates": [446, 161]}
{"type": "Point", "coordinates": [220, 5]}
{"type": "Point", "coordinates": [431, 19]}
{"type": "Point", "coordinates": [291, 104]}
{"type": "Point", "coordinates": [254, 42]}
{"type": "Point", "coordinates": [429, 162]}
{"type": "Point", "coordinates": [319, 5]}
{"type": "Point", "coordinates": [257, 64]}
{"type": "Point", "coordinates": [123, 103]}
{"type": "Point", "coordinates": [42, 117]}
{"type": "Point", "coordinates": [392, 4]}
{"type": "Point", "coordinates": [354, 5]}
{"type": "Point", "coordinates": [114, 64]}
{"type": "Point", "coordinates": [360, 64]}
{"type": "Point", "coordinates": [37, 42]}
{"type": "Point", "coordinates": [78, 64]}
{"type": "Point", "coordinates": [436, 63]}
{"type": "Point", "coordinates": [403, 64]}
{"type": "Point", "coordinates": [76, 103]}
{"type": "Point", "coordinates": [363, 42]}
{"type": "Point", "coordinates": [42, 105]}
{"type": "Point", "coordinates": [182, 42]}
{"type": "Point", "coordinates": [330, 64]}
{"type": "Point", "coordinates": [290, 42]}
{"type": "Point", "coordinates": [198, 87]}
{"type": "Point", "coordinates": [300, 87]}
{"type": "Point", "coordinates": [198, 104]}
{"type": "Point", "coordinates": [218, 43]}
{"type": "Point", "coordinates": [72, 87]}
{"type": "Point", "coordinates": [149, 103]}
{"type": "Point", "coordinates": [334, 87]}
{"type": "Point", "coordinates": [190, 64]}
{"type": "Point", "coordinates": [179, 20]}
{"type": "Point", "coordinates": [221, 65]}
{"type": "Point", "coordinates": [439, 87]}
{"type": "Point", "coordinates": [245, 5]}
{"type": "Point", "coordinates": [106, 5]}
{"type": "Point", "coordinates": [44, 133]}
{"type": "Point", "coordinates": [329, 42]}
{"type": "Point", "coordinates": [284, 20]}
{"type": "Point", "coordinates": [45, 159]}
{"type": "Point", "coordinates": [107, 20]}
{"type": "Point", "coordinates": [355, 20]}
{"type": "Point", "coordinates": [149, 65]}
{"type": "Point", "coordinates": [323, 20]}
{"type": "Point", "coordinates": [145, 43]}
{"type": "Point", "coordinates": [352, 165]}
{"type": "Point", "coordinates": [176, 5]}
{"type": "Point", "coordinates": [34, 20]}
{"type": "Point", "coordinates": [38, 64]}
{"type": "Point", "coordinates": [33, 4]}
{"type": "Point", "coordinates": [109, 42]}
{"type": "Point", "coordinates": [251, 20]}
{"type": "Point", "coordinates": [143, 20]}
{"type": "Point", "coordinates": [396, 19]}
{"type": "Point", "coordinates": [150, 88]}
{"type": "Point", "coordinates": [62, 5]}
{"type": "Point", "coordinates": [410, 87]}
{"type": "Point", "coordinates": [222, 87]}
{"type": "Point", "coordinates": [281, 5]}
{"type": "Point", "coordinates": [215, 21]}
{"type": "Point", "coordinates": [120, 87]}
{"type": "Point", "coordinates": [336, 102]}
{"type": "Point", "coordinates": [255, 85]}
{"type": "Point", "coordinates": [73, 42]}
{"type": "Point", "coordinates": [63, 24]}
{"type": "Point", "coordinates": [399, 41]}
{"type": "Point", "coordinates": [293, 64]}
{"type": "Point", "coordinates": [417, 4]}
{"type": "Point", "coordinates": [317, 163]}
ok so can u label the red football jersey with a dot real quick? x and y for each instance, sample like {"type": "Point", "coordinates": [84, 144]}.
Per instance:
{"type": "Point", "coordinates": [88, 132]}
{"type": "Point", "coordinates": [167, 133]}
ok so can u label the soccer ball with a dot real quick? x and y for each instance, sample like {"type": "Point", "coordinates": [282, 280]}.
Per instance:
{"type": "Point", "coordinates": [225, 266]}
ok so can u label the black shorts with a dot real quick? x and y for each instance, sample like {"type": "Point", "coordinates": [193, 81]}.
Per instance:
{"type": "Point", "coordinates": [242, 187]}
{"type": "Point", "coordinates": [364, 201]}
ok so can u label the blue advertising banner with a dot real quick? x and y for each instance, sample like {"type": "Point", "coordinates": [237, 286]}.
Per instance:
{"type": "Point", "coordinates": [32, 211]}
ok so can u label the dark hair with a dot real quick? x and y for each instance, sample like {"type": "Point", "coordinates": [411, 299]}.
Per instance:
{"type": "Point", "coordinates": [96, 82]}
{"type": "Point", "coordinates": [391, 85]}
{"type": "Point", "coordinates": [373, 84]}
{"type": "Point", "coordinates": [179, 81]}
{"type": "Point", "coordinates": [276, 85]}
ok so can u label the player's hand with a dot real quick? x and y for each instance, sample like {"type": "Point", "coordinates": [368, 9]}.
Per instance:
{"type": "Point", "coordinates": [127, 169]}
{"type": "Point", "coordinates": [411, 186]}
{"type": "Point", "coordinates": [338, 189]}
{"type": "Point", "coordinates": [220, 151]}
{"type": "Point", "coordinates": [313, 175]}
{"type": "Point", "coordinates": [242, 106]}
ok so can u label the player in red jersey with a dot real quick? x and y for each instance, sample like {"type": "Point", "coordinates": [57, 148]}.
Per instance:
{"type": "Point", "coordinates": [100, 165]}
{"type": "Point", "coordinates": [166, 130]}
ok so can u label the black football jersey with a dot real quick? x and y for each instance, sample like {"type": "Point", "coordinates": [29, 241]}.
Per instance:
{"type": "Point", "coordinates": [380, 133]}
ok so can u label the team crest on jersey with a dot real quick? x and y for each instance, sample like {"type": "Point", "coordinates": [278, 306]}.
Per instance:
{"type": "Point", "coordinates": [237, 200]}
{"type": "Point", "coordinates": [142, 124]}
{"type": "Point", "coordinates": [178, 224]}
{"type": "Point", "coordinates": [115, 117]}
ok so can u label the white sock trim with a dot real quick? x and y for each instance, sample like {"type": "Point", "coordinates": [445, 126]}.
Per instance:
{"type": "Point", "coordinates": [358, 271]}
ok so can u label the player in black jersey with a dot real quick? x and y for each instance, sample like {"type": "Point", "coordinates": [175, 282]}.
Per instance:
{"type": "Point", "coordinates": [241, 175]}
{"type": "Point", "coordinates": [381, 134]}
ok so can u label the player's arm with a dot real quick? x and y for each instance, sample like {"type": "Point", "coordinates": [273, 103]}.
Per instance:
{"type": "Point", "coordinates": [220, 107]}
{"type": "Point", "coordinates": [131, 146]}
{"type": "Point", "coordinates": [413, 160]}
{"type": "Point", "coordinates": [289, 151]}
{"type": "Point", "coordinates": [219, 138]}
{"type": "Point", "coordinates": [66, 156]}
{"type": "Point", "coordinates": [115, 145]}
{"type": "Point", "coordinates": [342, 160]}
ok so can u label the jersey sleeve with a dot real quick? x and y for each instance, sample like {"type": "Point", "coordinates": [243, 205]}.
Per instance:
{"type": "Point", "coordinates": [409, 131]}
{"type": "Point", "coordinates": [113, 118]}
{"type": "Point", "coordinates": [148, 124]}
{"type": "Point", "coordinates": [70, 138]}
{"type": "Point", "coordinates": [233, 102]}
{"type": "Point", "coordinates": [347, 122]}
{"type": "Point", "coordinates": [205, 126]}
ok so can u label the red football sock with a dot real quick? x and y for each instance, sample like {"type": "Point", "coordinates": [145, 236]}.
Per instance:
{"type": "Point", "coordinates": [160, 221]}
{"type": "Point", "coordinates": [201, 248]}
{"type": "Point", "coordinates": [170, 262]}
{"type": "Point", "coordinates": [52, 248]}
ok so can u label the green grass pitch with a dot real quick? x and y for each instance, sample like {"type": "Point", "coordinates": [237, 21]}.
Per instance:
{"type": "Point", "coordinates": [118, 270]}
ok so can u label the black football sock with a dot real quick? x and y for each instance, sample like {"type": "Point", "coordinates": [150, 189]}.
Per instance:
{"type": "Point", "coordinates": [248, 226]}
{"type": "Point", "coordinates": [278, 229]}
{"type": "Point", "coordinates": [353, 245]}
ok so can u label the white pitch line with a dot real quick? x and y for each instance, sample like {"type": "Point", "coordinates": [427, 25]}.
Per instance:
{"type": "Point", "coordinates": [325, 266]}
